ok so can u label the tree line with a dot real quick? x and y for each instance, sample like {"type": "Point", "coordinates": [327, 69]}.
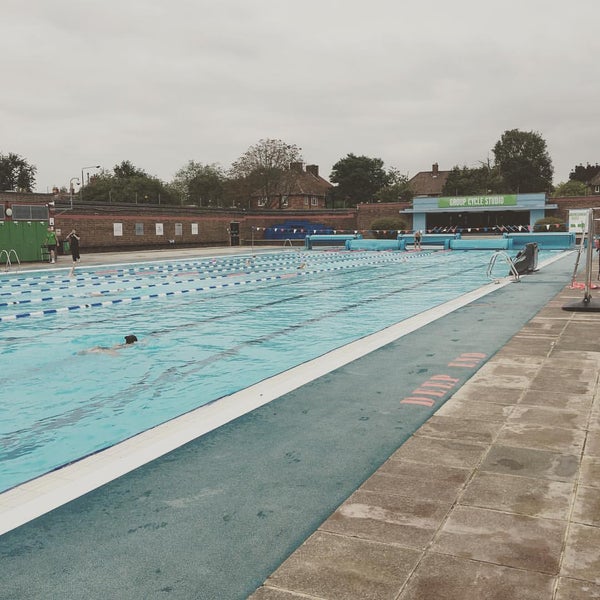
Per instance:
{"type": "Point", "coordinates": [521, 164]}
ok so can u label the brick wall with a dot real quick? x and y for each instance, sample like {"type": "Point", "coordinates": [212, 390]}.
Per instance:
{"type": "Point", "coordinates": [97, 231]}
{"type": "Point", "coordinates": [367, 213]}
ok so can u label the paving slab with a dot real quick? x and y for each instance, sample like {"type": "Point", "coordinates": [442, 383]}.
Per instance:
{"type": "Point", "coordinates": [338, 568]}
{"type": "Point", "coordinates": [389, 518]}
{"type": "Point", "coordinates": [503, 539]}
{"type": "Point", "coordinates": [451, 578]}
{"type": "Point", "coordinates": [519, 495]}
{"type": "Point", "coordinates": [573, 589]}
{"type": "Point", "coordinates": [582, 554]}
{"type": "Point", "coordinates": [529, 462]}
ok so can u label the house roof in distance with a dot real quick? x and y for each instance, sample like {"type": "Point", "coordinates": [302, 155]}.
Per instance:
{"type": "Point", "coordinates": [307, 182]}
{"type": "Point", "coordinates": [429, 183]}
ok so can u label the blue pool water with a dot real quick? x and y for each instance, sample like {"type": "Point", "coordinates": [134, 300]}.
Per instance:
{"type": "Point", "coordinates": [206, 328]}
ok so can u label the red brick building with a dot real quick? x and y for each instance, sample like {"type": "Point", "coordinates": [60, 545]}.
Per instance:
{"type": "Point", "coordinates": [298, 189]}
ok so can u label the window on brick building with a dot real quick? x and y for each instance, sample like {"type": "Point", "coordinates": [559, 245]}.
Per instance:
{"type": "Point", "coordinates": [29, 212]}
{"type": "Point", "coordinates": [262, 201]}
{"type": "Point", "coordinates": [178, 229]}
{"type": "Point", "coordinates": [139, 229]}
{"type": "Point", "coordinates": [314, 201]}
{"type": "Point", "coordinates": [305, 200]}
{"type": "Point", "coordinates": [194, 228]}
{"type": "Point", "coordinates": [284, 201]}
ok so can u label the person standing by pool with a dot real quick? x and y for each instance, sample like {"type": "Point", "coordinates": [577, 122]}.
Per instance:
{"type": "Point", "coordinates": [418, 239]}
{"type": "Point", "coordinates": [74, 243]}
{"type": "Point", "coordinates": [51, 243]}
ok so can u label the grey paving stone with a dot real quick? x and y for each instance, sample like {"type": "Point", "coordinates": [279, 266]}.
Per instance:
{"type": "Point", "coordinates": [472, 392]}
{"type": "Point", "coordinates": [529, 462]}
{"type": "Point", "coordinates": [466, 430]}
{"type": "Point", "coordinates": [339, 568]}
{"type": "Point", "coordinates": [410, 487]}
{"type": "Point", "coordinates": [479, 411]}
{"type": "Point", "coordinates": [561, 381]}
{"type": "Point", "coordinates": [587, 506]}
{"type": "Point", "coordinates": [517, 381]}
{"type": "Point", "coordinates": [590, 471]}
{"type": "Point", "coordinates": [396, 467]}
{"type": "Point", "coordinates": [440, 577]}
{"type": "Point", "coordinates": [571, 589]}
{"type": "Point", "coordinates": [592, 444]}
{"type": "Point", "coordinates": [582, 554]}
{"type": "Point", "coordinates": [441, 452]}
{"type": "Point", "coordinates": [563, 400]}
{"type": "Point", "coordinates": [519, 495]}
{"type": "Point", "coordinates": [548, 417]}
{"type": "Point", "coordinates": [502, 539]}
{"type": "Point", "coordinates": [542, 438]}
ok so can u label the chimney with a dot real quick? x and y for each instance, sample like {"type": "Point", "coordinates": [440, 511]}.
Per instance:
{"type": "Point", "coordinates": [434, 169]}
{"type": "Point", "coordinates": [313, 170]}
{"type": "Point", "coordinates": [296, 166]}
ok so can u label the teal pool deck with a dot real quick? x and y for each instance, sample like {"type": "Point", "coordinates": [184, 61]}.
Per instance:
{"type": "Point", "coordinates": [459, 458]}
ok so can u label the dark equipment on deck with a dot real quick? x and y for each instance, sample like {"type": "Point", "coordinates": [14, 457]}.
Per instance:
{"type": "Point", "coordinates": [526, 260]}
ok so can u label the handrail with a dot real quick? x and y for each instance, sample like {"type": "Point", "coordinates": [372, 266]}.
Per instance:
{"type": "Point", "coordinates": [2, 253]}
{"type": "Point", "coordinates": [509, 262]}
{"type": "Point", "coordinates": [8, 253]}
{"type": "Point", "coordinates": [13, 251]}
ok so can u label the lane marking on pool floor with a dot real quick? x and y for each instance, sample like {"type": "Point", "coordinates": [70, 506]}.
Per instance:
{"type": "Point", "coordinates": [39, 496]}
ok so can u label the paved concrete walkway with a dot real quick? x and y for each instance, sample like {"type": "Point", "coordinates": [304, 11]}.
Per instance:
{"type": "Point", "coordinates": [497, 496]}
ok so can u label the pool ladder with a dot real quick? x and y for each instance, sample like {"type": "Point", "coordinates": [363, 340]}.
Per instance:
{"type": "Point", "coordinates": [509, 262]}
{"type": "Point", "coordinates": [8, 254]}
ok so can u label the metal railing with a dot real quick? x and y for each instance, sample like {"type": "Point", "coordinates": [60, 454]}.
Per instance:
{"type": "Point", "coordinates": [8, 254]}
{"type": "Point", "coordinates": [509, 262]}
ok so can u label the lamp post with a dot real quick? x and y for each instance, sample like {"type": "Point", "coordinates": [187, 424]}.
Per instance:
{"type": "Point", "coordinates": [71, 188]}
{"type": "Point", "coordinates": [83, 180]}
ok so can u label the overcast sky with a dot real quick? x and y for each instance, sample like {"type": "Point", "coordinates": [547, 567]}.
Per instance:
{"type": "Point", "coordinates": [163, 82]}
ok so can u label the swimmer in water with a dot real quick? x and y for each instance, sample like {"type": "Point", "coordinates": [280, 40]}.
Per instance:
{"type": "Point", "coordinates": [129, 340]}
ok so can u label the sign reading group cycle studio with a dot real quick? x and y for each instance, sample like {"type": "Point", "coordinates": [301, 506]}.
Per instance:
{"type": "Point", "coordinates": [477, 201]}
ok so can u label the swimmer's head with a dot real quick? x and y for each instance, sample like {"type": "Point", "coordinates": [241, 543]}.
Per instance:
{"type": "Point", "coordinates": [130, 339]}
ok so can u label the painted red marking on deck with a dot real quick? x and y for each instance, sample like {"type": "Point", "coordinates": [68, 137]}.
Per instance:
{"type": "Point", "coordinates": [436, 386]}
{"type": "Point", "coordinates": [467, 360]}
{"type": "Point", "coordinates": [420, 401]}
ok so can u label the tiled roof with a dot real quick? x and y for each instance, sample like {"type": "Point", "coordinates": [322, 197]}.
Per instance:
{"type": "Point", "coordinates": [429, 183]}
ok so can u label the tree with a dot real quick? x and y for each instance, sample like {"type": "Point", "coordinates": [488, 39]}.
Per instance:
{"type": "Point", "coordinates": [482, 180]}
{"type": "Point", "coordinates": [523, 161]}
{"type": "Point", "coordinates": [262, 169]}
{"type": "Point", "coordinates": [397, 188]}
{"type": "Point", "coordinates": [199, 184]}
{"type": "Point", "coordinates": [584, 174]}
{"type": "Point", "coordinates": [16, 174]}
{"type": "Point", "coordinates": [571, 188]}
{"type": "Point", "coordinates": [127, 183]}
{"type": "Point", "coordinates": [358, 179]}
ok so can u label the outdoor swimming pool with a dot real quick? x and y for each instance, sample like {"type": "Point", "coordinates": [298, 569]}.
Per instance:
{"type": "Point", "coordinates": [206, 328]}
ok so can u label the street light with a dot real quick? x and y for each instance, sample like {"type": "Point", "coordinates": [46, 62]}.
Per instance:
{"type": "Point", "coordinates": [83, 180]}
{"type": "Point", "coordinates": [71, 188]}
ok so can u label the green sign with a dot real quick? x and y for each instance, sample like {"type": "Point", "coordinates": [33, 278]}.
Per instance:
{"type": "Point", "coordinates": [477, 201]}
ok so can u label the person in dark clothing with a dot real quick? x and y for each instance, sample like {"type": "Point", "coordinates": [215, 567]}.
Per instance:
{"type": "Point", "coordinates": [74, 243]}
